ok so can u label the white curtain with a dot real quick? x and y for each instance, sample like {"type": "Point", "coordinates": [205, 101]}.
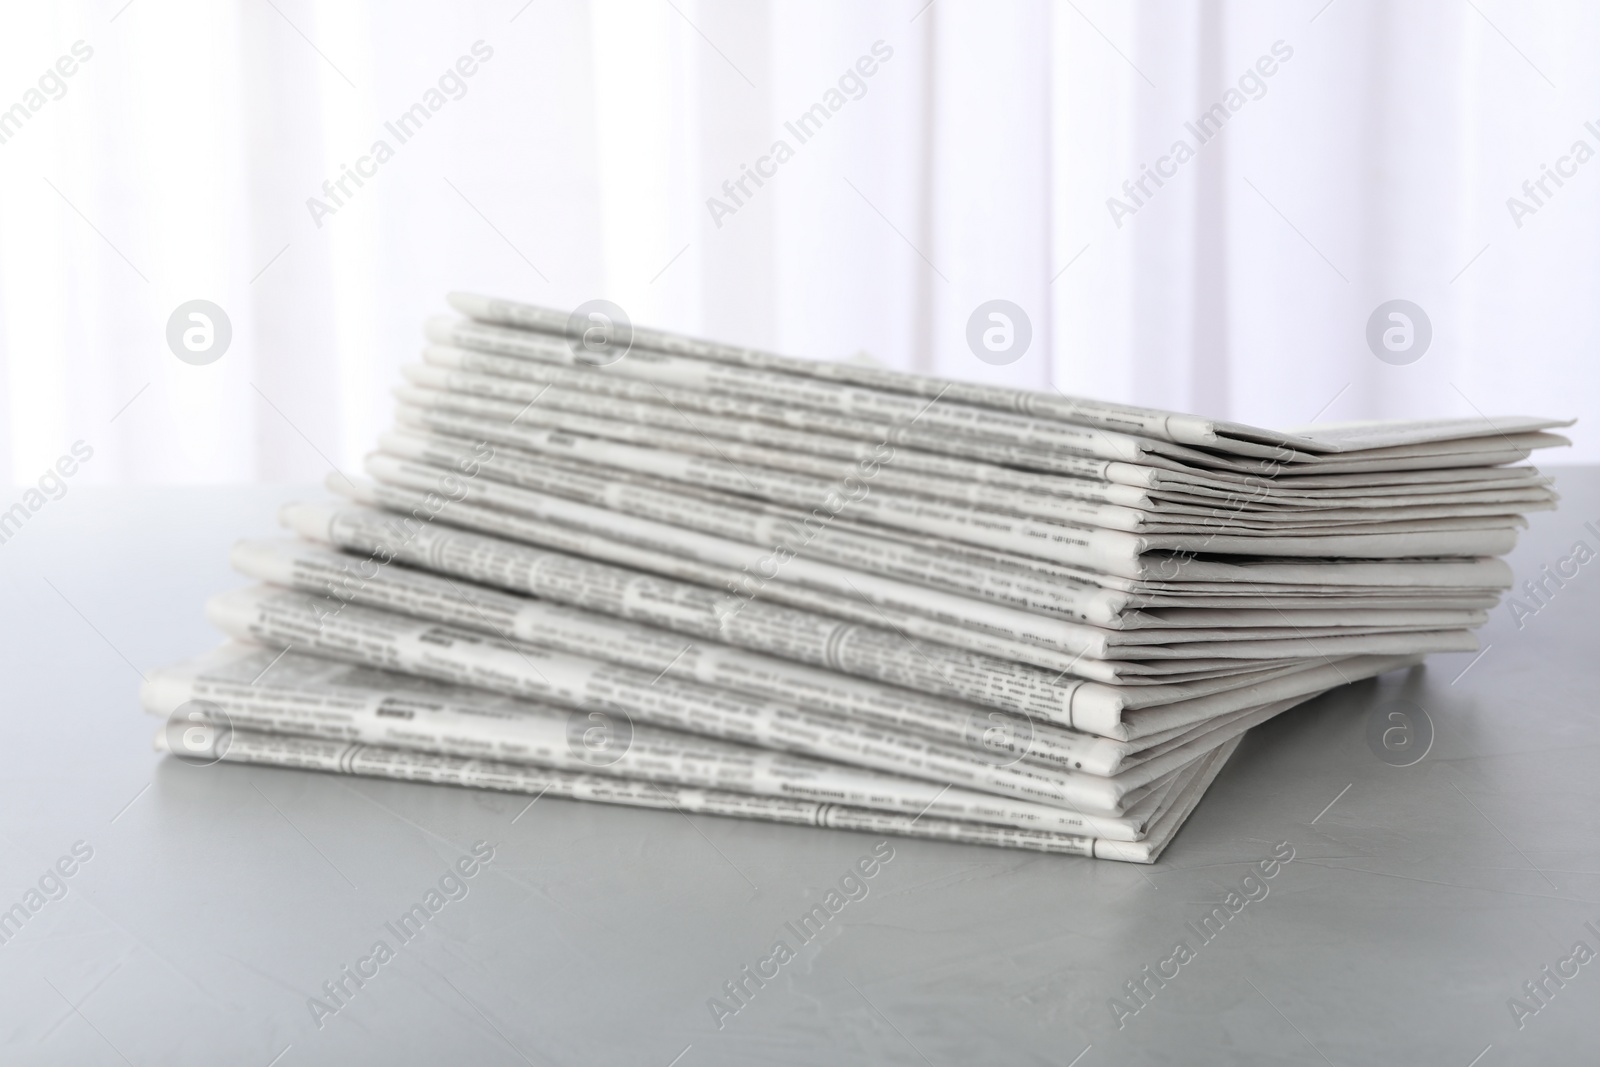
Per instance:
{"type": "Point", "coordinates": [963, 152]}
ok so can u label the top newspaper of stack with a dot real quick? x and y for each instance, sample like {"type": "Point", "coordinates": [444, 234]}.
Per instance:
{"type": "Point", "coordinates": [1033, 490]}
{"type": "Point", "coordinates": [1045, 419]}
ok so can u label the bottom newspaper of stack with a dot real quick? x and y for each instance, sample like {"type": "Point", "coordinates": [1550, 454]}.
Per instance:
{"type": "Point", "coordinates": [361, 664]}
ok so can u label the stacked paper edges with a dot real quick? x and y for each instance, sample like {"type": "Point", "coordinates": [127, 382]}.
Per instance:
{"type": "Point", "coordinates": [645, 569]}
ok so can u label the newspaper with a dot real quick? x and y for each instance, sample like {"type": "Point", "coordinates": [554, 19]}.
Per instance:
{"type": "Point", "coordinates": [976, 408]}
{"type": "Point", "coordinates": [1113, 610]}
{"type": "Point", "coordinates": [944, 506]}
{"type": "Point", "coordinates": [1117, 603]}
{"type": "Point", "coordinates": [342, 757]}
{"type": "Point", "coordinates": [261, 688]}
{"type": "Point", "coordinates": [564, 628]}
{"type": "Point", "coordinates": [922, 613]}
{"type": "Point", "coordinates": [1004, 437]}
{"type": "Point", "coordinates": [596, 541]}
{"type": "Point", "coordinates": [1100, 536]}
{"type": "Point", "coordinates": [1113, 550]}
{"type": "Point", "coordinates": [689, 609]}
{"type": "Point", "coordinates": [947, 566]}
{"type": "Point", "coordinates": [331, 628]}
{"type": "Point", "coordinates": [446, 653]}
{"type": "Point", "coordinates": [827, 533]}
{"type": "Point", "coordinates": [577, 575]}
{"type": "Point", "coordinates": [1008, 628]}
{"type": "Point", "coordinates": [479, 382]}
{"type": "Point", "coordinates": [1165, 568]}
{"type": "Point", "coordinates": [505, 410]}
{"type": "Point", "coordinates": [1022, 433]}
{"type": "Point", "coordinates": [807, 430]}
{"type": "Point", "coordinates": [906, 626]}
{"type": "Point", "coordinates": [724, 580]}
{"type": "Point", "coordinates": [1135, 723]}
{"type": "Point", "coordinates": [998, 736]}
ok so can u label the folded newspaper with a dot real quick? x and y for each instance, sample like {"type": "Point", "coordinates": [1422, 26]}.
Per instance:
{"type": "Point", "coordinates": [621, 565]}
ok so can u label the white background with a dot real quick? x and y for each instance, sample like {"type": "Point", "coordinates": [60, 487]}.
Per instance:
{"type": "Point", "coordinates": [977, 165]}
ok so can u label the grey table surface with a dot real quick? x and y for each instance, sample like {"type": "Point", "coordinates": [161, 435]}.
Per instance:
{"type": "Point", "coordinates": [215, 902]}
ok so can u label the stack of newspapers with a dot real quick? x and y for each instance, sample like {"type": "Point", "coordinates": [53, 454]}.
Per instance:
{"type": "Point", "coordinates": [606, 563]}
